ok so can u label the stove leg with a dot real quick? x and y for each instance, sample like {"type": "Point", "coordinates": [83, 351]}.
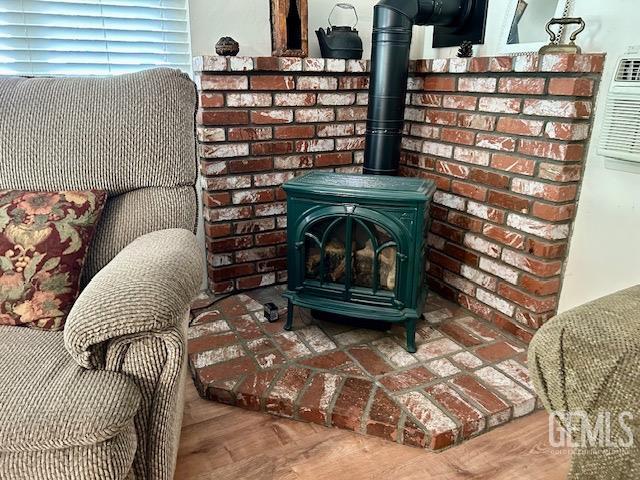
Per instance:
{"type": "Point", "coordinates": [289, 324]}
{"type": "Point", "coordinates": [411, 335]}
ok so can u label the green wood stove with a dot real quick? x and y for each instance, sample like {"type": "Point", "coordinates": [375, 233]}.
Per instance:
{"type": "Point", "coordinates": [356, 246]}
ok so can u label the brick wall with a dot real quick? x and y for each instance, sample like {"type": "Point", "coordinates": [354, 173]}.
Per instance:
{"type": "Point", "coordinates": [503, 138]}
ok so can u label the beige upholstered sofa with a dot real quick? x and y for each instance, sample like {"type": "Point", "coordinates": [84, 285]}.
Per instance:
{"type": "Point", "coordinates": [102, 399]}
{"type": "Point", "coordinates": [585, 366]}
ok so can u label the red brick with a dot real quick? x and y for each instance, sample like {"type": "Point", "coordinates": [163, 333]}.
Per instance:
{"type": "Point", "coordinates": [447, 231]}
{"type": "Point", "coordinates": [230, 213]}
{"type": "Point", "coordinates": [549, 192]}
{"type": "Point", "coordinates": [459, 334]}
{"type": "Point", "coordinates": [252, 388]}
{"type": "Point", "coordinates": [256, 225]}
{"type": "Point", "coordinates": [474, 305]}
{"type": "Point", "coordinates": [444, 261]}
{"type": "Point", "coordinates": [265, 117]}
{"type": "Point", "coordinates": [508, 201]}
{"type": "Point", "coordinates": [459, 102]}
{"type": "Point", "coordinates": [535, 304]}
{"type": "Point", "coordinates": [522, 86]}
{"type": "Point", "coordinates": [226, 370]}
{"type": "Point", "coordinates": [439, 117]}
{"type": "Point", "coordinates": [252, 196]}
{"type": "Point", "coordinates": [217, 230]}
{"type": "Point", "coordinates": [477, 121]}
{"type": "Point", "coordinates": [353, 83]}
{"type": "Point", "coordinates": [383, 417]}
{"type": "Point", "coordinates": [553, 151]}
{"type": "Point", "coordinates": [272, 82]}
{"type": "Point", "coordinates": [461, 253]}
{"type": "Point", "coordinates": [271, 265]}
{"type": "Point", "coordinates": [489, 178]}
{"type": "Point", "coordinates": [543, 249]}
{"type": "Point", "coordinates": [481, 395]}
{"type": "Point", "coordinates": [223, 117]}
{"type": "Point", "coordinates": [266, 63]}
{"type": "Point", "coordinates": [223, 82]}
{"type": "Point", "coordinates": [350, 405]}
{"type": "Point", "coordinates": [346, 114]}
{"type": "Point", "coordinates": [567, 131]}
{"type": "Point", "coordinates": [314, 115]}
{"type": "Point", "coordinates": [539, 286]}
{"type": "Point", "coordinates": [553, 213]}
{"type": "Point", "coordinates": [317, 83]}
{"type": "Point", "coordinates": [249, 133]}
{"type": "Point", "coordinates": [469, 190]}
{"type": "Point", "coordinates": [465, 221]}
{"type": "Point", "coordinates": [514, 329]}
{"type": "Point", "coordinates": [329, 159]}
{"type": "Point", "coordinates": [219, 288]}
{"type": "Point", "coordinates": [477, 84]}
{"type": "Point", "coordinates": [472, 420]}
{"type": "Point", "coordinates": [295, 131]}
{"type": "Point", "coordinates": [211, 100]}
{"type": "Point", "coordinates": [500, 105]}
{"type": "Point", "coordinates": [312, 407]}
{"type": "Point", "coordinates": [560, 173]}
{"type": "Point", "coordinates": [271, 148]}
{"type": "Point", "coordinates": [453, 169]}
{"type": "Point", "coordinates": [496, 142]}
{"type": "Point", "coordinates": [504, 236]}
{"type": "Point", "coordinates": [209, 342]}
{"type": "Point", "coordinates": [479, 64]}
{"type": "Point", "coordinates": [426, 100]}
{"type": "Point", "coordinates": [255, 254]}
{"type": "Point", "coordinates": [558, 108]}
{"type": "Point", "coordinates": [439, 83]}
{"type": "Point", "coordinates": [407, 379]}
{"type": "Point", "coordinates": [533, 265]}
{"type": "Point", "coordinates": [513, 164]}
{"type": "Point", "coordinates": [496, 352]}
{"type": "Point", "coordinates": [501, 64]}
{"type": "Point", "coordinates": [577, 87]}
{"type": "Point", "coordinates": [217, 199]}
{"type": "Point", "coordinates": [245, 325]}
{"type": "Point", "coordinates": [271, 238]}
{"type": "Point", "coordinates": [458, 136]}
{"type": "Point", "coordinates": [230, 244]}
{"type": "Point", "coordinates": [280, 399]}
{"type": "Point", "coordinates": [250, 165]}
{"type": "Point", "coordinates": [255, 281]}
{"type": "Point", "coordinates": [371, 361]}
{"type": "Point", "coordinates": [518, 126]}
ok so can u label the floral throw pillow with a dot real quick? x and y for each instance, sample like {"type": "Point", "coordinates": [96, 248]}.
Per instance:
{"type": "Point", "coordinates": [44, 237]}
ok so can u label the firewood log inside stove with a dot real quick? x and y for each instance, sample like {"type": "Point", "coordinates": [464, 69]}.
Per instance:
{"type": "Point", "coordinates": [363, 268]}
{"type": "Point", "coordinates": [334, 262]}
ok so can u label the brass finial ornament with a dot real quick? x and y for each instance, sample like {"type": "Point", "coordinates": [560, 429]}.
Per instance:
{"type": "Point", "coordinates": [555, 46]}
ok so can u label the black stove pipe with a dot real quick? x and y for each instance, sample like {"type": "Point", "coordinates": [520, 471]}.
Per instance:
{"type": "Point", "coordinates": [393, 23]}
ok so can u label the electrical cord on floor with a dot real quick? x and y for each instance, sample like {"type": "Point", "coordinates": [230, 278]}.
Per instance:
{"type": "Point", "coordinates": [218, 299]}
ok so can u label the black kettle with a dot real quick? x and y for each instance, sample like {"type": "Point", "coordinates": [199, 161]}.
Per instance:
{"type": "Point", "coordinates": [340, 41]}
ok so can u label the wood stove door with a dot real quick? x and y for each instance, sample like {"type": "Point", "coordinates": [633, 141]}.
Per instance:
{"type": "Point", "coordinates": [355, 256]}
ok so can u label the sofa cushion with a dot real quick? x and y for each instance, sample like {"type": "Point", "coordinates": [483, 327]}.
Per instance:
{"type": "Point", "coordinates": [48, 402]}
{"type": "Point", "coordinates": [44, 238]}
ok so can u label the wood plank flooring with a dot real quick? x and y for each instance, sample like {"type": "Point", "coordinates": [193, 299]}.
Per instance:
{"type": "Point", "coordinates": [220, 442]}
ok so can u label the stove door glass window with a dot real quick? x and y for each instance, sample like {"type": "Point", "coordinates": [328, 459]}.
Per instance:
{"type": "Point", "coordinates": [374, 264]}
{"type": "Point", "coordinates": [325, 252]}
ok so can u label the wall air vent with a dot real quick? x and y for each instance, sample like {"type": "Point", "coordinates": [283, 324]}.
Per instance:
{"type": "Point", "coordinates": [620, 139]}
{"type": "Point", "coordinates": [628, 70]}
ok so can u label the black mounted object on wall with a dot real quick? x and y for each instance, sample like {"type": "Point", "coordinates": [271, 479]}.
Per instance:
{"type": "Point", "coordinates": [393, 23]}
{"type": "Point", "coordinates": [472, 30]}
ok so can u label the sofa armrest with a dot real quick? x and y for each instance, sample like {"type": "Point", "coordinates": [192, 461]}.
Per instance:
{"type": "Point", "coordinates": [146, 288]}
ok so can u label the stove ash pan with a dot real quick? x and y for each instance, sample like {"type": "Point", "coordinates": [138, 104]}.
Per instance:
{"type": "Point", "coordinates": [356, 246]}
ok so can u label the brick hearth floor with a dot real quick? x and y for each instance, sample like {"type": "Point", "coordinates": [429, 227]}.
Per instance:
{"type": "Point", "coordinates": [465, 378]}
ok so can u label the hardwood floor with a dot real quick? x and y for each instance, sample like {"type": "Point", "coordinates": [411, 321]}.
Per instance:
{"type": "Point", "coordinates": [221, 442]}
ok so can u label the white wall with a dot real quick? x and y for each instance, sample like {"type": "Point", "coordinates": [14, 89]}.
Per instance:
{"type": "Point", "coordinates": [248, 22]}
{"type": "Point", "coordinates": [602, 256]}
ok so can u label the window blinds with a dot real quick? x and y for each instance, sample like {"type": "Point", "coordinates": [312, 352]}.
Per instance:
{"type": "Point", "coordinates": [92, 37]}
